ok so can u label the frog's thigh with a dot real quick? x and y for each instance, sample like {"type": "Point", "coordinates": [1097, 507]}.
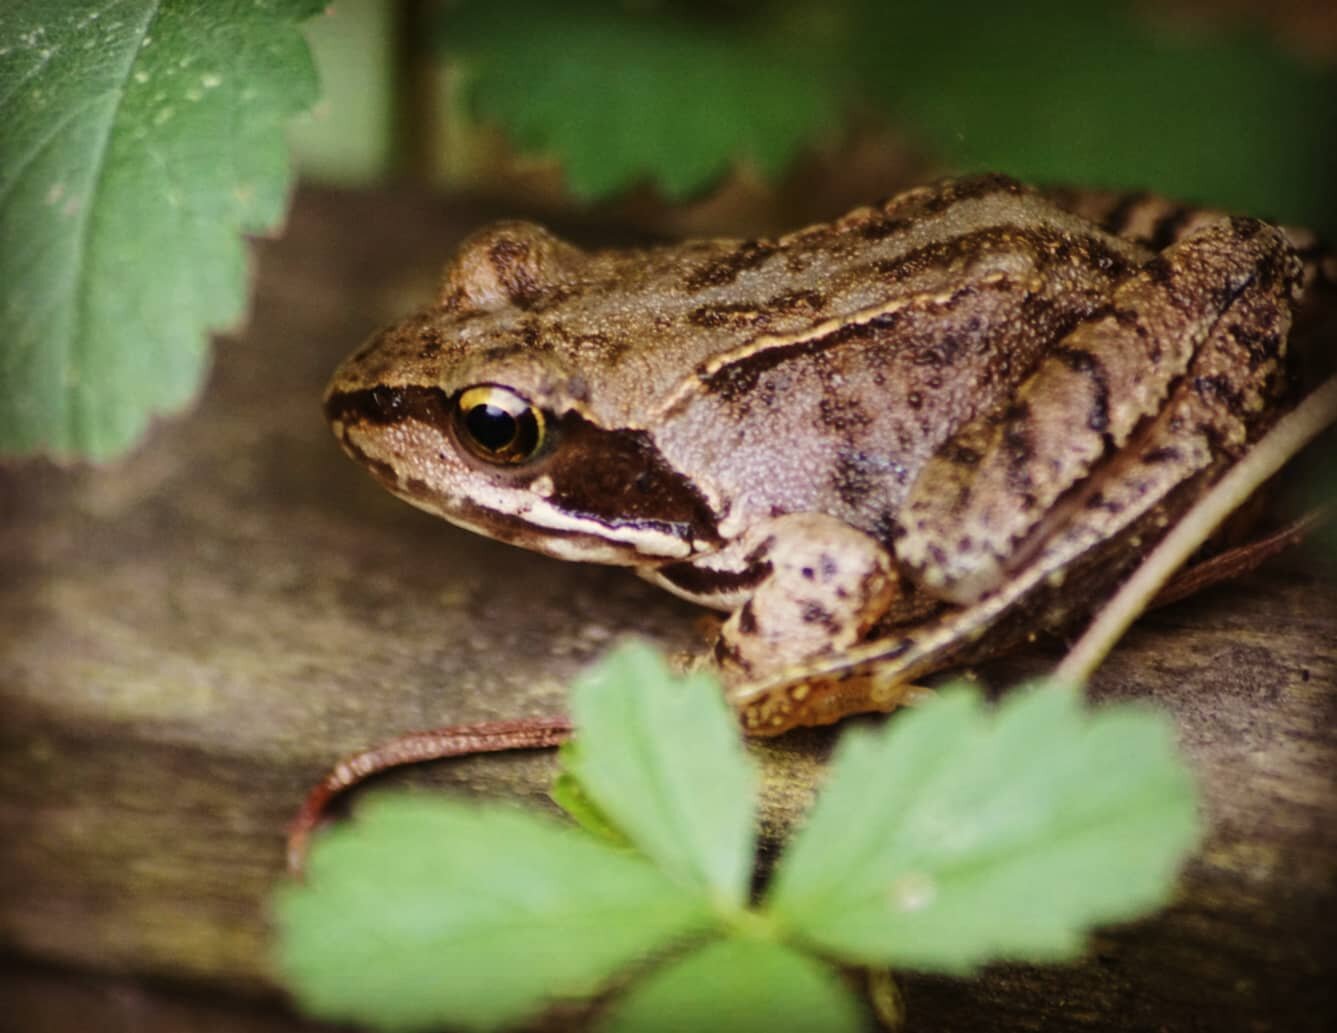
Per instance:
{"type": "Point", "coordinates": [986, 498]}
{"type": "Point", "coordinates": [1208, 421]}
{"type": "Point", "coordinates": [828, 585]}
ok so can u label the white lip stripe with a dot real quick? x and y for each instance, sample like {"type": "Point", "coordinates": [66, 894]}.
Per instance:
{"type": "Point", "coordinates": [646, 541]}
{"type": "Point", "coordinates": [599, 544]}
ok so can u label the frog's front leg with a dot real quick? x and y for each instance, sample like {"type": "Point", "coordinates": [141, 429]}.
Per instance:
{"type": "Point", "coordinates": [827, 585]}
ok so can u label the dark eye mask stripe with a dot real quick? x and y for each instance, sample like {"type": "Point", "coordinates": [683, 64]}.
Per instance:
{"type": "Point", "coordinates": [616, 477]}
{"type": "Point", "coordinates": [386, 405]}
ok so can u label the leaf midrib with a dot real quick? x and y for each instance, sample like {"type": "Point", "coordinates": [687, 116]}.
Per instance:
{"type": "Point", "coordinates": [84, 217]}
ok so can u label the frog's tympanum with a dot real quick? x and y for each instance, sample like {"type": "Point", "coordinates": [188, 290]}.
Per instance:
{"type": "Point", "coordinates": [899, 440]}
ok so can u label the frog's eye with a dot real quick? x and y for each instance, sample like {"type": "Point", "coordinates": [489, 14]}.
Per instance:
{"type": "Point", "coordinates": [498, 425]}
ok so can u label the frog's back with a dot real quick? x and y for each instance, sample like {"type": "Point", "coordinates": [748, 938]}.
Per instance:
{"type": "Point", "coordinates": [689, 316]}
{"type": "Point", "coordinates": [638, 331]}
{"type": "Point", "coordinates": [926, 312]}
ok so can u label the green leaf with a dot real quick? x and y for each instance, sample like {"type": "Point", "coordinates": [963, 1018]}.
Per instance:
{"type": "Point", "coordinates": [738, 985]}
{"type": "Point", "coordinates": [957, 836]}
{"type": "Point", "coordinates": [621, 96]}
{"type": "Point", "coordinates": [662, 758]}
{"type": "Point", "coordinates": [424, 913]}
{"type": "Point", "coordinates": [138, 140]}
{"type": "Point", "coordinates": [1100, 93]}
{"type": "Point", "coordinates": [568, 794]}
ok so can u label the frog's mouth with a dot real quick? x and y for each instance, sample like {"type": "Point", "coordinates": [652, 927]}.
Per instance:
{"type": "Point", "coordinates": [593, 495]}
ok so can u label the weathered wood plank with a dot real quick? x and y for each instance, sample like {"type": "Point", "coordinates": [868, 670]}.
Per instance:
{"type": "Point", "coordinates": [192, 636]}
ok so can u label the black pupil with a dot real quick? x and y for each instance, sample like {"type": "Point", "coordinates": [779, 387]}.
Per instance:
{"type": "Point", "coordinates": [492, 427]}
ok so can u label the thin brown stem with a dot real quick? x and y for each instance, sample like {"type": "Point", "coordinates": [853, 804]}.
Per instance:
{"type": "Point", "coordinates": [1293, 431]}
{"type": "Point", "coordinates": [414, 748]}
{"type": "Point", "coordinates": [1238, 561]}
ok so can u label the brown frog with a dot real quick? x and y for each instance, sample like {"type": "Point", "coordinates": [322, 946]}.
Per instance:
{"type": "Point", "coordinates": [885, 444]}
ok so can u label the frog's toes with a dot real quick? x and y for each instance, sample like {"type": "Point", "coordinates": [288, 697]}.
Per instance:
{"type": "Point", "coordinates": [824, 593]}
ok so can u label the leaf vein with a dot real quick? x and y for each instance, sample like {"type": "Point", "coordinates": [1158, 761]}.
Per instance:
{"type": "Point", "coordinates": [81, 315]}
{"type": "Point", "coordinates": [21, 165]}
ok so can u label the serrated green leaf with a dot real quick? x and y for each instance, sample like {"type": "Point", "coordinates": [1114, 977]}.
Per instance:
{"type": "Point", "coordinates": [424, 913]}
{"type": "Point", "coordinates": [138, 140]}
{"type": "Point", "coordinates": [957, 836]}
{"type": "Point", "coordinates": [622, 96]}
{"type": "Point", "coordinates": [738, 985]}
{"type": "Point", "coordinates": [663, 758]}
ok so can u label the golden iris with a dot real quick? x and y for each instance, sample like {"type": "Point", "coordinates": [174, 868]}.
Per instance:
{"type": "Point", "coordinates": [497, 425]}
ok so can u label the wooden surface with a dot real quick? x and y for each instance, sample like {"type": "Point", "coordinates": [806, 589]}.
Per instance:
{"type": "Point", "coordinates": [192, 636]}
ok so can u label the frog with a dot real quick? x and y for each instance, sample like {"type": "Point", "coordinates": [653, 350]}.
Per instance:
{"type": "Point", "coordinates": [883, 445]}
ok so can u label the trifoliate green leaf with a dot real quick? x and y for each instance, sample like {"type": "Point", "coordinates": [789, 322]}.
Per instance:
{"type": "Point", "coordinates": [663, 759]}
{"type": "Point", "coordinates": [138, 140]}
{"type": "Point", "coordinates": [958, 835]}
{"type": "Point", "coordinates": [740, 986]}
{"type": "Point", "coordinates": [425, 913]}
{"type": "Point", "coordinates": [623, 96]}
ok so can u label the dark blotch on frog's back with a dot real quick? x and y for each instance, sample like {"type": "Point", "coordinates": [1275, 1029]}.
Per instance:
{"type": "Point", "coordinates": [724, 269]}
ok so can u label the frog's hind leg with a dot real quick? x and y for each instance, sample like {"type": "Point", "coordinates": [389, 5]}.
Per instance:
{"type": "Point", "coordinates": [1145, 218]}
{"type": "Point", "coordinates": [1125, 484]}
{"type": "Point", "coordinates": [1158, 222]}
{"type": "Point", "coordinates": [1188, 356]}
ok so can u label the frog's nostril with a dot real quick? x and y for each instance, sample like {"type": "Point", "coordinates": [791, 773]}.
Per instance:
{"type": "Point", "coordinates": [386, 402]}
{"type": "Point", "coordinates": [377, 405]}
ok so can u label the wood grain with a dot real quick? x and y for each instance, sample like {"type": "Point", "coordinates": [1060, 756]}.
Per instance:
{"type": "Point", "coordinates": [193, 635]}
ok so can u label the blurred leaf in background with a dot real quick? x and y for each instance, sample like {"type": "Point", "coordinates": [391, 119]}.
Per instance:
{"type": "Point", "coordinates": [1100, 94]}
{"type": "Point", "coordinates": [1096, 93]}
{"type": "Point", "coordinates": [623, 95]}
